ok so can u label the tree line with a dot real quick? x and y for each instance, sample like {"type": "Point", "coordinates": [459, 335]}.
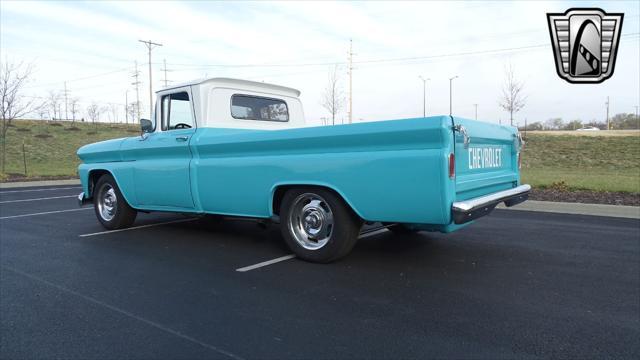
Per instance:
{"type": "Point", "coordinates": [621, 121]}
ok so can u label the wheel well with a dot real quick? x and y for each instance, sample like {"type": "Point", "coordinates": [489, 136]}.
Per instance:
{"type": "Point", "coordinates": [278, 195]}
{"type": "Point", "coordinates": [94, 175]}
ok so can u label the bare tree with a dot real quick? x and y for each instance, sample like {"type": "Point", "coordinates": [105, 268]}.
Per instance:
{"type": "Point", "coordinates": [132, 110]}
{"type": "Point", "coordinates": [42, 112]}
{"type": "Point", "coordinates": [73, 102]}
{"type": "Point", "coordinates": [513, 98]}
{"type": "Point", "coordinates": [107, 111]}
{"type": "Point", "coordinates": [93, 113]}
{"type": "Point", "coordinates": [333, 96]}
{"type": "Point", "coordinates": [15, 104]}
{"type": "Point", "coordinates": [114, 111]}
{"type": "Point", "coordinates": [554, 124]}
{"type": "Point", "coordinates": [53, 100]}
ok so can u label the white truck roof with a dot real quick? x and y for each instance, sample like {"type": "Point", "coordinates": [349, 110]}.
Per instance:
{"type": "Point", "coordinates": [238, 83]}
{"type": "Point", "coordinates": [212, 102]}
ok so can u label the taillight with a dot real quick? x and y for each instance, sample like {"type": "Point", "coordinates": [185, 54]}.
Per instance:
{"type": "Point", "coordinates": [452, 166]}
{"type": "Point", "coordinates": [519, 160]}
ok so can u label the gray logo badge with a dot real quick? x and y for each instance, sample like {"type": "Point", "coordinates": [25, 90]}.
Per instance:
{"type": "Point", "coordinates": [585, 43]}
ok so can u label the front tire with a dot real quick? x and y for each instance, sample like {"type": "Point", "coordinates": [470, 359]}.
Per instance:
{"type": "Point", "coordinates": [317, 225]}
{"type": "Point", "coordinates": [112, 210]}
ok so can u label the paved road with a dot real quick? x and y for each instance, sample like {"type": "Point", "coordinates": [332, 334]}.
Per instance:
{"type": "Point", "coordinates": [515, 284]}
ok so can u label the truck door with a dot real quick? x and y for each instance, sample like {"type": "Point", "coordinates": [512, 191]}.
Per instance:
{"type": "Point", "coordinates": [162, 158]}
{"type": "Point", "coordinates": [486, 158]}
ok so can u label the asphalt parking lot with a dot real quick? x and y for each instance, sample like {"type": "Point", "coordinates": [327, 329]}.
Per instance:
{"type": "Point", "coordinates": [515, 284]}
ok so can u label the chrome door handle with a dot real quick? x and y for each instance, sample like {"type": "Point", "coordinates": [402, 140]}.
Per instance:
{"type": "Point", "coordinates": [182, 138]}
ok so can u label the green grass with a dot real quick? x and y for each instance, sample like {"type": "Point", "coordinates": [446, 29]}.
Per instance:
{"type": "Point", "coordinates": [600, 163]}
{"type": "Point", "coordinates": [53, 156]}
{"type": "Point", "coordinates": [572, 161]}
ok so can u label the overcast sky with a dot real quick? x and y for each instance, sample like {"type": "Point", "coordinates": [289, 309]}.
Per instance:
{"type": "Point", "coordinates": [93, 46]}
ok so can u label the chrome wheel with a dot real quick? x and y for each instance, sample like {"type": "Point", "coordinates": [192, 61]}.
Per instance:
{"type": "Point", "coordinates": [311, 221]}
{"type": "Point", "coordinates": [107, 202]}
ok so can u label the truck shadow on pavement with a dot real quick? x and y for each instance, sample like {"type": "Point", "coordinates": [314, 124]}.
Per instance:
{"type": "Point", "coordinates": [250, 240]}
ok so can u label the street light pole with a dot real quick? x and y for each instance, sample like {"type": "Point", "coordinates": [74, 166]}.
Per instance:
{"type": "Point", "coordinates": [424, 95]}
{"type": "Point", "coordinates": [450, 94]}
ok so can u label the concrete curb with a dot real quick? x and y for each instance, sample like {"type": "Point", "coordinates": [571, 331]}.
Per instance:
{"type": "Point", "coordinates": [10, 185]}
{"type": "Point", "coordinates": [629, 212]}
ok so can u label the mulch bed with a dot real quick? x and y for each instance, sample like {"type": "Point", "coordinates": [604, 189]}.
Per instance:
{"type": "Point", "coordinates": [585, 196]}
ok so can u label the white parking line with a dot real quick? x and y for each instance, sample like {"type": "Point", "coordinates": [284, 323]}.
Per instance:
{"type": "Point", "coordinates": [291, 256]}
{"type": "Point", "coordinates": [48, 189]}
{"type": "Point", "coordinates": [126, 313]}
{"type": "Point", "coordinates": [138, 227]}
{"type": "Point", "coordinates": [43, 213]}
{"type": "Point", "coordinates": [266, 263]}
{"type": "Point", "coordinates": [38, 199]}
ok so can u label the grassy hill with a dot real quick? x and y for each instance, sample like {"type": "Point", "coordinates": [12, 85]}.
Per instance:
{"type": "Point", "coordinates": [601, 161]}
{"type": "Point", "coordinates": [50, 147]}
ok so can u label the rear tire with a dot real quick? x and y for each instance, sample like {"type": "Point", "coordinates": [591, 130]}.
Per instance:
{"type": "Point", "coordinates": [317, 225]}
{"type": "Point", "coordinates": [112, 210]}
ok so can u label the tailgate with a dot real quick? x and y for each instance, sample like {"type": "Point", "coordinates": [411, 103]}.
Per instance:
{"type": "Point", "coordinates": [488, 162]}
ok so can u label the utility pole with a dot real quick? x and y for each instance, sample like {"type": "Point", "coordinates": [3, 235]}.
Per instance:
{"type": "Point", "coordinates": [608, 125]}
{"type": "Point", "coordinates": [150, 46]}
{"type": "Point", "coordinates": [66, 113]}
{"type": "Point", "coordinates": [136, 74]}
{"type": "Point", "coordinates": [637, 118]}
{"type": "Point", "coordinates": [424, 95]}
{"type": "Point", "coordinates": [166, 82]}
{"type": "Point", "coordinates": [73, 109]}
{"type": "Point", "coordinates": [476, 106]}
{"type": "Point", "coordinates": [126, 107]}
{"type": "Point", "coordinates": [451, 94]}
{"type": "Point", "coordinates": [350, 81]}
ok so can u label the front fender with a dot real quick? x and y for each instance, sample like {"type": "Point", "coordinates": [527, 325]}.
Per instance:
{"type": "Point", "coordinates": [122, 173]}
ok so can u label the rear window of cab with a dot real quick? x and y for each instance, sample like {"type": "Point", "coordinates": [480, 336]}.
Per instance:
{"type": "Point", "coordinates": [249, 107]}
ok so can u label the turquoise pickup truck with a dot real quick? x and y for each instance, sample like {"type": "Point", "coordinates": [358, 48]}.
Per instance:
{"type": "Point", "coordinates": [238, 148]}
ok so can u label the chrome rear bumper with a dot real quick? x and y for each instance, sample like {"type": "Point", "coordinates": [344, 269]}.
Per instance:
{"type": "Point", "coordinates": [467, 210]}
{"type": "Point", "coordinates": [83, 200]}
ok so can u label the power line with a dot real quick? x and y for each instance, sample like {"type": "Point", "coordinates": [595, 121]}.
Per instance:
{"type": "Point", "coordinates": [414, 58]}
{"type": "Point", "coordinates": [382, 60]}
{"type": "Point", "coordinates": [79, 79]}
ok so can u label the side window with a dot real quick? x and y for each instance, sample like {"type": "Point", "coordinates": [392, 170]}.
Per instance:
{"type": "Point", "coordinates": [176, 112]}
{"type": "Point", "coordinates": [249, 107]}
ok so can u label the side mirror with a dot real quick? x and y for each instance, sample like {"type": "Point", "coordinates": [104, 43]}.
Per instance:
{"type": "Point", "coordinates": [146, 126]}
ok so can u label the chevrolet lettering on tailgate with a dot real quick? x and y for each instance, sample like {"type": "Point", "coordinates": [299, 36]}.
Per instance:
{"type": "Point", "coordinates": [485, 157]}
